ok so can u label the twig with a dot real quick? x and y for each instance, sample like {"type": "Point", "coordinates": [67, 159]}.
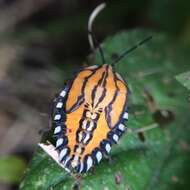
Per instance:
{"type": "Point", "coordinates": [143, 129]}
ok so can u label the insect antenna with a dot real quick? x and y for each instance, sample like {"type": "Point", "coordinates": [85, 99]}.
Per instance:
{"type": "Point", "coordinates": [131, 49]}
{"type": "Point", "coordinates": [91, 37]}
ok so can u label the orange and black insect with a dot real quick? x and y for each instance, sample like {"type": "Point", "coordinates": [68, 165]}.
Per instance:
{"type": "Point", "coordinates": [89, 115]}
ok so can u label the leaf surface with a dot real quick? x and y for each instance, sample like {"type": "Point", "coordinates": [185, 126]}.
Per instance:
{"type": "Point", "coordinates": [184, 79]}
{"type": "Point", "coordinates": [159, 161]}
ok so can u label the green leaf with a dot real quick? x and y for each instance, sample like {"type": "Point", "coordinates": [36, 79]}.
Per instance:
{"type": "Point", "coordinates": [184, 79]}
{"type": "Point", "coordinates": [157, 163]}
{"type": "Point", "coordinates": [11, 169]}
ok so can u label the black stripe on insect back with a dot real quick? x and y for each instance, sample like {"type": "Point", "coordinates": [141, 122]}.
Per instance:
{"type": "Point", "coordinates": [76, 147]}
{"type": "Point", "coordinates": [104, 86]}
{"type": "Point", "coordinates": [109, 107]}
{"type": "Point", "coordinates": [124, 107]}
{"type": "Point", "coordinates": [80, 98]}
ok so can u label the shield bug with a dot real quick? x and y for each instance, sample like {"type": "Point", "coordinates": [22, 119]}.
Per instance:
{"type": "Point", "coordinates": [90, 111]}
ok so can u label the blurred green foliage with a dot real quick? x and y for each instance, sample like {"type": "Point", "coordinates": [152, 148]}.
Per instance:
{"type": "Point", "coordinates": [11, 169]}
{"type": "Point", "coordinates": [184, 79]}
{"type": "Point", "coordinates": [161, 162]}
